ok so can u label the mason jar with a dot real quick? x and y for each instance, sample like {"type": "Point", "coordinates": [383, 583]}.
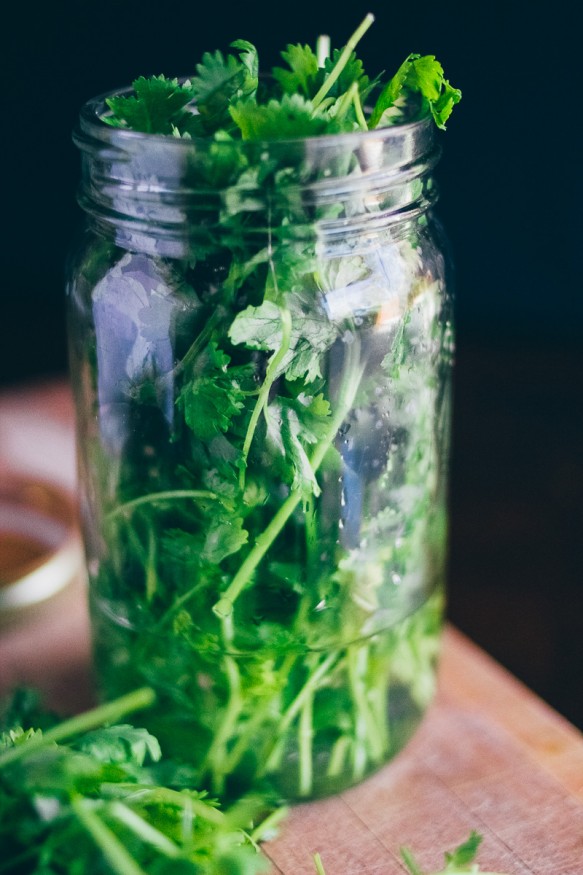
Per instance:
{"type": "Point", "coordinates": [261, 344]}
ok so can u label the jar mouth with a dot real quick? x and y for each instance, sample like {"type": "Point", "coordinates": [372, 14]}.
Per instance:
{"type": "Point", "coordinates": [93, 111]}
{"type": "Point", "coordinates": [165, 194]}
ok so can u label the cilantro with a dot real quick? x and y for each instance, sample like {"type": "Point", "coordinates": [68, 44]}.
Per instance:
{"type": "Point", "coordinates": [460, 861]}
{"type": "Point", "coordinates": [156, 107]}
{"type": "Point", "coordinates": [310, 96]}
{"type": "Point", "coordinates": [215, 394]}
{"type": "Point", "coordinates": [244, 553]}
{"type": "Point", "coordinates": [74, 800]}
{"type": "Point", "coordinates": [292, 116]}
{"type": "Point", "coordinates": [419, 75]}
{"type": "Point", "coordinates": [302, 75]}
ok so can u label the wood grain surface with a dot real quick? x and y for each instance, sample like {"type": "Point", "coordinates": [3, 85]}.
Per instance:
{"type": "Point", "coordinates": [489, 756]}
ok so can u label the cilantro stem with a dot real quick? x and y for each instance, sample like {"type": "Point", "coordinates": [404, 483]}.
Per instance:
{"type": "Point", "coordinates": [338, 756]}
{"type": "Point", "coordinates": [110, 712]}
{"type": "Point", "coordinates": [151, 573]}
{"type": "Point", "coordinates": [410, 862]}
{"type": "Point", "coordinates": [168, 495]}
{"type": "Point", "coordinates": [365, 728]}
{"type": "Point", "coordinates": [322, 49]}
{"type": "Point", "coordinates": [311, 537]}
{"type": "Point", "coordinates": [292, 711]}
{"type": "Point", "coordinates": [343, 59]}
{"type": "Point", "coordinates": [143, 829]}
{"type": "Point", "coordinates": [217, 752]}
{"type": "Point", "coordinates": [263, 397]}
{"type": "Point", "coordinates": [106, 840]}
{"type": "Point", "coordinates": [305, 745]}
{"type": "Point", "coordinates": [319, 865]}
{"type": "Point", "coordinates": [268, 824]}
{"type": "Point", "coordinates": [153, 795]}
{"type": "Point", "coordinates": [248, 734]}
{"type": "Point", "coordinates": [352, 376]}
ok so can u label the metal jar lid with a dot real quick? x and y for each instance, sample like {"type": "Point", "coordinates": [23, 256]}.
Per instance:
{"type": "Point", "coordinates": [40, 544]}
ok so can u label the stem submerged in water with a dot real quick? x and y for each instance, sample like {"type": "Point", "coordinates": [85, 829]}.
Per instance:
{"type": "Point", "coordinates": [352, 375]}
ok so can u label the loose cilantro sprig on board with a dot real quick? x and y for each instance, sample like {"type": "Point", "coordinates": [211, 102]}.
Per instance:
{"type": "Point", "coordinates": [93, 795]}
{"type": "Point", "coordinates": [460, 861]}
{"type": "Point", "coordinates": [309, 96]}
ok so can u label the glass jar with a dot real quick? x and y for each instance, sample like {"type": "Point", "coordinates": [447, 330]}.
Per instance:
{"type": "Point", "coordinates": [261, 345]}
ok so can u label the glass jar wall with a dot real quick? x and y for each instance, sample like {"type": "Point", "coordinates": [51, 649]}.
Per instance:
{"type": "Point", "coordinates": [261, 346]}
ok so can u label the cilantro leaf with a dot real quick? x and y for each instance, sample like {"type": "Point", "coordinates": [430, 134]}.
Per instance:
{"type": "Point", "coordinates": [120, 744]}
{"type": "Point", "coordinates": [460, 861]}
{"type": "Point", "coordinates": [220, 80]}
{"type": "Point", "coordinates": [292, 425]}
{"type": "Point", "coordinates": [291, 117]}
{"type": "Point", "coordinates": [215, 395]}
{"type": "Point", "coordinates": [156, 106]}
{"type": "Point", "coordinates": [303, 73]}
{"type": "Point", "coordinates": [312, 334]}
{"type": "Point", "coordinates": [352, 71]}
{"type": "Point", "coordinates": [421, 75]}
{"type": "Point", "coordinates": [219, 537]}
{"type": "Point", "coordinates": [464, 854]}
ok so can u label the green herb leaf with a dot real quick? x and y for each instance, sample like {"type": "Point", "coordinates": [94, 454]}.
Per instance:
{"type": "Point", "coordinates": [120, 744]}
{"type": "Point", "coordinates": [291, 117]}
{"type": "Point", "coordinates": [215, 395]}
{"type": "Point", "coordinates": [221, 80]}
{"type": "Point", "coordinates": [155, 108]}
{"type": "Point", "coordinates": [421, 75]}
{"type": "Point", "coordinates": [303, 73]}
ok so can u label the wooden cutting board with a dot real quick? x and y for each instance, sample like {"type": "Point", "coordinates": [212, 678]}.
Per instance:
{"type": "Point", "coordinates": [490, 756]}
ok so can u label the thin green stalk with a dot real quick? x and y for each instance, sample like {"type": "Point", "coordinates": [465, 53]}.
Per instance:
{"type": "Point", "coordinates": [410, 862]}
{"type": "Point", "coordinates": [196, 346]}
{"type": "Point", "coordinates": [338, 756]}
{"type": "Point", "coordinates": [343, 59]}
{"type": "Point", "coordinates": [266, 826]}
{"type": "Point", "coordinates": [293, 709]}
{"type": "Point", "coordinates": [249, 733]}
{"type": "Point", "coordinates": [360, 117]}
{"type": "Point", "coordinates": [350, 98]}
{"type": "Point", "coordinates": [151, 573]}
{"type": "Point", "coordinates": [352, 377]}
{"type": "Point", "coordinates": [319, 865]}
{"type": "Point", "coordinates": [144, 830]}
{"type": "Point", "coordinates": [322, 49]}
{"type": "Point", "coordinates": [368, 740]}
{"type": "Point", "coordinates": [110, 712]}
{"type": "Point", "coordinates": [263, 397]}
{"type": "Point", "coordinates": [147, 794]}
{"type": "Point", "coordinates": [108, 843]}
{"type": "Point", "coordinates": [214, 760]}
{"type": "Point", "coordinates": [311, 537]}
{"type": "Point", "coordinates": [305, 746]}
{"type": "Point", "coordinates": [359, 753]}
{"type": "Point", "coordinates": [167, 495]}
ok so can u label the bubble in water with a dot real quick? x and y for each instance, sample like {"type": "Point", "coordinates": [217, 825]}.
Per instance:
{"type": "Point", "coordinates": [396, 578]}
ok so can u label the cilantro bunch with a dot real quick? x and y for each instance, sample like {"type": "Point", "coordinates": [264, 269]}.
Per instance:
{"type": "Point", "coordinates": [94, 795]}
{"type": "Point", "coordinates": [264, 401]}
{"type": "Point", "coordinates": [315, 93]}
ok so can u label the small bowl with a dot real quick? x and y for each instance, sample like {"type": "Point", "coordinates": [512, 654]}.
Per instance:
{"type": "Point", "coordinates": [40, 544]}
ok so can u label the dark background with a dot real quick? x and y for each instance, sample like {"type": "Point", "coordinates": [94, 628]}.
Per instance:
{"type": "Point", "coordinates": [511, 187]}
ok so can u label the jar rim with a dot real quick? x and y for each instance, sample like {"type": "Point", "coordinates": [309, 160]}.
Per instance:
{"type": "Point", "coordinates": [92, 123]}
